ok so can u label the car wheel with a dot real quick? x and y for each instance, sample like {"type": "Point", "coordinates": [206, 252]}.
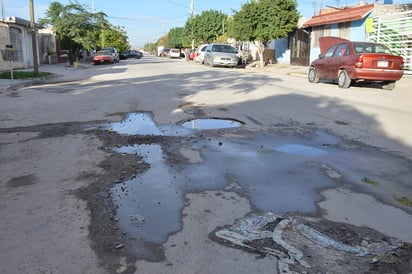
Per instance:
{"type": "Point", "coordinates": [388, 86]}
{"type": "Point", "coordinates": [344, 81]}
{"type": "Point", "coordinates": [313, 75]}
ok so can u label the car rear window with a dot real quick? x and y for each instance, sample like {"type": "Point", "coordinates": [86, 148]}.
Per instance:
{"type": "Point", "coordinates": [103, 52]}
{"type": "Point", "coordinates": [224, 48]}
{"type": "Point", "coordinates": [371, 48]}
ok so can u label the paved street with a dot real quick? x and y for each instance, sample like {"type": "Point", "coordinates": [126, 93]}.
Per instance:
{"type": "Point", "coordinates": [99, 174]}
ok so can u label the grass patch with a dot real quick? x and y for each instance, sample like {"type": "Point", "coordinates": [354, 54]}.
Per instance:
{"type": "Point", "coordinates": [23, 74]}
{"type": "Point", "coordinates": [370, 181]}
{"type": "Point", "coordinates": [404, 200]}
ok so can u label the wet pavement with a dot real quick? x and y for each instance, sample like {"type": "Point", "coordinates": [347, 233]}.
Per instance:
{"type": "Point", "coordinates": [278, 172]}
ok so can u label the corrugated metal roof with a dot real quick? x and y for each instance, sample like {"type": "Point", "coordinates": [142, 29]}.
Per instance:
{"type": "Point", "coordinates": [345, 15]}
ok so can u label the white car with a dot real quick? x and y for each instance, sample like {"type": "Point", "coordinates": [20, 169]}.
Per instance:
{"type": "Point", "coordinates": [221, 55]}
{"type": "Point", "coordinates": [200, 53]}
{"type": "Point", "coordinates": [174, 53]}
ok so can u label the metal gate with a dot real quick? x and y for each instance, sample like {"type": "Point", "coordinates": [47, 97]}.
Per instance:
{"type": "Point", "coordinates": [395, 31]}
{"type": "Point", "coordinates": [299, 44]}
{"type": "Point", "coordinates": [16, 40]}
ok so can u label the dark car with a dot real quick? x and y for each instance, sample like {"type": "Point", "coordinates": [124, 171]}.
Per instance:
{"type": "Point", "coordinates": [350, 62]}
{"type": "Point", "coordinates": [134, 54]}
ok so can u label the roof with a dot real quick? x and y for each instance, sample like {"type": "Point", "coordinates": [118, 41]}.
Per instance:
{"type": "Point", "coordinates": [345, 15]}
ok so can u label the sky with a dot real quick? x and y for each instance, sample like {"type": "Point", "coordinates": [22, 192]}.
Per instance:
{"type": "Point", "coordinates": [145, 21]}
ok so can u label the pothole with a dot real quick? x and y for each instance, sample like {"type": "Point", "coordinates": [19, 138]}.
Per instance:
{"type": "Point", "coordinates": [136, 124]}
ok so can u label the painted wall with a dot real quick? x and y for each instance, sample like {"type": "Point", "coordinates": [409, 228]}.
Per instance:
{"type": "Point", "coordinates": [357, 32]}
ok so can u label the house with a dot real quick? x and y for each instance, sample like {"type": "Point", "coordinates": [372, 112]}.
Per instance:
{"type": "Point", "coordinates": [16, 45]}
{"type": "Point", "coordinates": [349, 23]}
{"type": "Point", "coordinates": [385, 23]}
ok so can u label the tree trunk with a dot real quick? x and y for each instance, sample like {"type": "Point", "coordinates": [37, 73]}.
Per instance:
{"type": "Point", "coordinates": [260, 48]}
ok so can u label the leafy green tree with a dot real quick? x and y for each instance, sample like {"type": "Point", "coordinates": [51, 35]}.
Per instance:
{"type": "Point", "coordinates": [260, 21]}
{"type": "Point", "coordinates": [76, 28]}
{"type": "Point", "coordinates": [114, 37]}
{"type": "Point", "coordinates": [207, 26]}
{"type": "Point", "coordinates": [150, 47]}
{"type": "Point", "coordinates": [179, 38]}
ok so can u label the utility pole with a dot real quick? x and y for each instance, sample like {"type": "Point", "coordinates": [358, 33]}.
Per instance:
{"type": "Point", "coordinates": [33, 38]}
{"type": "Point", "coordinates": [192, 15]}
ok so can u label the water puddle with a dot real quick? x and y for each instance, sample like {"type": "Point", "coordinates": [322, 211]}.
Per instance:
{"type": "Point", "coordinates": [213, 123]}
{"type": "Point", "coordinates": [296, 149]}
{"type": "Point", "coordinates": [278, 173]}
{"type": "Point", "coordinates": [143, 124]}
{"type": "Point", "coordinates": [148, 207]}
{"type": "Point", "coordinates": [136, 124]}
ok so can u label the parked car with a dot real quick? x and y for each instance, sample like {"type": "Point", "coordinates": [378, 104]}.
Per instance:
{"type": "Point", "coordinates": [122, 56]}
{"type": "Point", "coordinates": [191, 54]}
{"type": "Point", "coordinates": [114, 52]}
{"type": "Point", "coordinates": [134, 54]}
{"type": "Point", "coordinates": [221, 55]}
{"type": "Point", "coordinates": [350, 62]}
{"type": "Point", "coordinates": [200, 53]}
{"type": "Point", "coordinates": [103, 57]}
{"type": "Point", "coordinates": [174, 53]}
{"type": "Point", "coordinates": [165, 53]}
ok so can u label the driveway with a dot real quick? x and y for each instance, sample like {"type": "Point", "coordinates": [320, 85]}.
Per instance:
{"type": "Point", "coordinates": [164, 166]}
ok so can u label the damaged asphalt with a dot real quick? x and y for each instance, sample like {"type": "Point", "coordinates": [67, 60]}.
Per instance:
{"type": "Point", "coordinates": [156, 200]}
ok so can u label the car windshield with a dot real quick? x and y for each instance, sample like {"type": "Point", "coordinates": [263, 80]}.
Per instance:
{"type": "Point", "coordinates": [224, 48]}
{"type": "Point", "coordinates": [103, 52]}
{"type": "Point", "coordinates": [361, 47]}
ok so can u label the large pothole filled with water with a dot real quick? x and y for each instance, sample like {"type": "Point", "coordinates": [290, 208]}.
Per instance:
{"type": "Point", "coordinates": [278, 172]}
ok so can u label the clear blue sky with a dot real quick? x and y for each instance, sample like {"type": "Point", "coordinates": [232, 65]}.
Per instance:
{"type": "Point", "coordinates": [147, 20]}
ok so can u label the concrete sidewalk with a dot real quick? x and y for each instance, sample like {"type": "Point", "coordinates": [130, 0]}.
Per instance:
{"type": "Point", "coordinates": [63, 72]}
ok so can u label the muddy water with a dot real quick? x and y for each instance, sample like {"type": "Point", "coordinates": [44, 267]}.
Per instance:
{"type": "Point", "coordinates": [278, 173]}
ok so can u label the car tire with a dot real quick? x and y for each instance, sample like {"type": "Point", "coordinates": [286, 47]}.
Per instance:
{"type": "Point", "coordinates": [313, 75]}
{"type": "Point", "coordinates": [343, 79]}
{"type": "Point", "coordinates": [388, 85]}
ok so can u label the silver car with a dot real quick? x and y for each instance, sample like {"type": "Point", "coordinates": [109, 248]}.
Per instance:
{"type": "Point", "coordinates": [221, 55]}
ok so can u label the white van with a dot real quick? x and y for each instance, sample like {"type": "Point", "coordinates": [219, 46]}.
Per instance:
{"type": "Point", "coordinates": [175, 53]}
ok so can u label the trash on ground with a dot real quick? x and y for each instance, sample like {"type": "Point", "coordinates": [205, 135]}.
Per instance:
{"type": "Point", "coordinates": [300, 247]}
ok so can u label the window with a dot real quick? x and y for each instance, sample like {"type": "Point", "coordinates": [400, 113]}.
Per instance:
{"type": "Point", "coordinates": [344, 30]}
{"type": "Point", "coordinates": [342, 50]}
{"type": "Point", "coordinates": [330, 51]}
{"type": "Point", "coordinates": [320, 31]}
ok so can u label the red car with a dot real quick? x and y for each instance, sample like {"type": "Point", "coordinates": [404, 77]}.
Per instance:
{"type": "Point", "coordinates": [103, 57]}
{"type": "Point", "coordinates": [350, 62]}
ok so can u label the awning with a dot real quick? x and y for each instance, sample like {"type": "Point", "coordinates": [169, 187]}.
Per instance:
{"type": "Point", "coordinates": [345, 15]}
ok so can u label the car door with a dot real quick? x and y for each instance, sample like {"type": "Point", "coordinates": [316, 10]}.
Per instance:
{"type": "Point", "coordinates": [338, 60]}
{"type": "Point", "coordinates": [323, 63]}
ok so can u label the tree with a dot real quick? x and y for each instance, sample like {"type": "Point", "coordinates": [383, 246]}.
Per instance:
{"type": "Point", "coordinates": [114, 37]}
{"type": "Point", "coordinates": [76, 28]}
{"type": "Point", "coordinates": [260, 21]}
{"type": "Point", "coordinates": [164, 41]}
{"type": "Point", "coordinates": [207, 26]}
{"type": "Point", "coordinates": [179, 38]}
